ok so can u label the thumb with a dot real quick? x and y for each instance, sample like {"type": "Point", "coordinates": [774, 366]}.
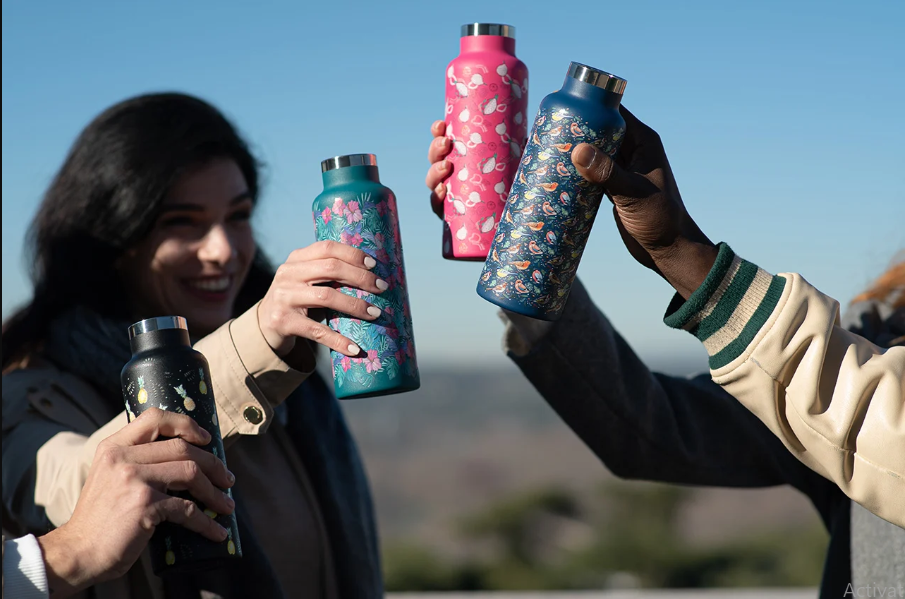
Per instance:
{"type": "Point", "coordinates": [595, 166]}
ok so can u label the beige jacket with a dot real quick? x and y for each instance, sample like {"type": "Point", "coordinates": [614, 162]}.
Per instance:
{"type": "Point", "coordinates": [835, 400]}
{"type": "Point", "coordinates": [249, 380]}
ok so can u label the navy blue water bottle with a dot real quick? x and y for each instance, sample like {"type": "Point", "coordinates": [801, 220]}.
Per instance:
{"type": "Point", "coordinates": [551, 208]}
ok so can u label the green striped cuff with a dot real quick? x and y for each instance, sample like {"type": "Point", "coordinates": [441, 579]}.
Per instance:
{"type": "Point", "coordinates": [729, 308]}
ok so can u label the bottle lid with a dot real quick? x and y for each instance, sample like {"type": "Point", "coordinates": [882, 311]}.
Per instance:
{"type": "Point", "coordinates": [596, 77]}
{"type": "Point", "coordinates": [488, 29]}
{"type": "Point", "coordinates": [157, 324]}
{"type": "Point", "coordinates": [348, 160]}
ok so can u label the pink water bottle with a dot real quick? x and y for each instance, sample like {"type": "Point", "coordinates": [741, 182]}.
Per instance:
{"type": "Point", "coordinates": [486, 102]}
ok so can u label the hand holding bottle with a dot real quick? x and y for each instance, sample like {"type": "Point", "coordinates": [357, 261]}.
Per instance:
{"type": "Point", "coordinates": [650, 215]}
{"type": "Point", "coordinates": [293, 306]}
{"type": "Point", "coordinates": [124, 499]}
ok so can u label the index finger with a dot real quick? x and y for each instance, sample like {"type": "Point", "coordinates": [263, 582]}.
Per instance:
{"type": "Point", "coordinates": [154, 423]}
{"type": "Point", "coordinates": [333, 249]}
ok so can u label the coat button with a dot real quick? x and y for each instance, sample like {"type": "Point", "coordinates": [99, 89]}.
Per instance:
{"type": "Point", "coordinates": [253, 414]}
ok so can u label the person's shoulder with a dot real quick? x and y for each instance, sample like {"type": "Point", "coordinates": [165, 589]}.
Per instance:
{"type": "Point", "coordinates": [44, 388]}
{"type": "Point", "coordinates": [879, 322]}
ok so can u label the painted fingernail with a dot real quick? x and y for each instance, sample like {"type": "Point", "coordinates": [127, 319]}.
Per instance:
{"type": "Point", "coordinates": [354, 349]}
{"type": "Point", "coordinates": [584, 155]}
{"type": "Point", "coordinates": [370, 262]}
{"type": "Point", "coordinates": [210, 513]}
{"type": "Point", "coordinates": [374, 311]}
{"type": "Point", "coordinates": [442, 141]}
{"type": "Point", "coordinates": [382, 285]}
{"type": "Point", "coordinates": [440, 188]}
{"type": "Point", "coordinates": [444, 164]}
{"type": "Point", "coordinates": [230, 477]}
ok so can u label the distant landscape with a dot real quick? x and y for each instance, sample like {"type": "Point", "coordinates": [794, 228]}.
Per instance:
{"type": "Point", "coordinates": [479, 485]}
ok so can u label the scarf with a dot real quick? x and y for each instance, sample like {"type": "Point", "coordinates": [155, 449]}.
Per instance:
{"type": "Point", "coordinates": [96, 348]}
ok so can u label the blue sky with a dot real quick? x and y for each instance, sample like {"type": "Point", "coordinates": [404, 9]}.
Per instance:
{"type": "Point", "coordinates": [782, 121]}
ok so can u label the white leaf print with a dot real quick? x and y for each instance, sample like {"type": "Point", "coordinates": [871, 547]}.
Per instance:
{"type": "Point", "coordinates": [460, 87]}
{"type": "Point", "coordinates": [487, 224]}
{"type": "Point", "coordinates": [489, 165]}
{"type": "Point", "coordinates": [515, 149]}
{"type": "Point", "coordinates": [518, 118]}
{"type": "Point", "coordinates": [490, 106]}
{"type": "Point", "coordinates": [464, 116]}
{"type": "Point", "coordinates": [460, 207]}
{"type": "Point", "coordinates": [476, 138]}
{"type": "Point", "coordinates": [460, 147]}
{"type": "Point", "coordinates": [500, 187]}
{"type": "Point", "coordinates": [461, 234]}
{"type": "Point", "coordinates": [501, 70]}
{"type": "Point", "coordinates": [450, 73]}
{"type": "Point", "coordinates": [463, 174]}
{"type": "Point", "coordinates": [474, 197]}
{"type": "Point", "coordinates": [516, 91]}
{"type": "Point", "coordinates": [501, 128]}
{"type": "Point", "coordinates": [476, 79]}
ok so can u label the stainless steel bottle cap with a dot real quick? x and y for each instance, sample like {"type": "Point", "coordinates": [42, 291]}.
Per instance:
{"type": "Point", "coordinates": [596, 77]}
{"type": "Point", "coordinates": [348, 160]}
{"type": "Point", "coordinates": [156, 324]}
{"type": "Point", "coordinates": [488, 29]}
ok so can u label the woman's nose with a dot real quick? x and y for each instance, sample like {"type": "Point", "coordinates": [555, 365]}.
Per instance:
{"type": "Point", "coordinates": [217, 247]}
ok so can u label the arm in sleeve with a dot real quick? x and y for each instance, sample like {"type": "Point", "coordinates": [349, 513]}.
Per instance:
{"type": "Point", "coordinates": [836, 400]}
{"type": "Point", "coordinates": [249, 379]}
{"type": "Point", "coordinates": [641, 424]}
{"type": "Point", "coordinates": [46, 455]}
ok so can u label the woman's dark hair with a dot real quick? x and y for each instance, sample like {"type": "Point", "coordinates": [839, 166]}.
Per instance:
{"type": "Point", "coordinates": [106, 198]}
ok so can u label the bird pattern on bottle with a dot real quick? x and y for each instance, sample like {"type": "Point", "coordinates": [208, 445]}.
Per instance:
{"type": "Point", "coordinates": [548, 216]}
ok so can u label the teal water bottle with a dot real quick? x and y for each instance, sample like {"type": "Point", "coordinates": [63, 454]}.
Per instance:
{"type": "Point", "coordinates": [355, 209]}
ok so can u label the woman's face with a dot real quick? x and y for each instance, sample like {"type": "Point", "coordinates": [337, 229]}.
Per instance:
{"type": "Point", "coordinates": [195, 259]}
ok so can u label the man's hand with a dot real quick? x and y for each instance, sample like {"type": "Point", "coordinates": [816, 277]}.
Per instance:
{"type": "Point", "coordinates": [125, 498]}
{"type": "Point", "coordinates": [654, 224]}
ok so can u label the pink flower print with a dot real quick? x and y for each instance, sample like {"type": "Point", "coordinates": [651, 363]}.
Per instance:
{"type": "Point", "coordinates": [372, 362]}
{"type": "Point", "coordinates": [346, 239]}
{"type": "Point", "coordinates": [346, 363]}
{"type": "Point", "coordinates": [382, 255]}
{"type": "Point", "coordinates": [381, 208]}
{"type": "Point", "coordinates": [379, 239]}
{"type": "Point", "coordinates": [392, 332]}
{"type": "Point", "coordinates": [389, 310]}
{"type": "Point", "coordinates": [353, 212]}
{"type": "Point", "coordinates": [338, 206]}
{"type": "Point", "coordinates": [328, 215]}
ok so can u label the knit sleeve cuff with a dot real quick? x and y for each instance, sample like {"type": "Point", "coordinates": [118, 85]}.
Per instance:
{"type": "Point", "coordinates": [24, 575]}
{"type": "Point", "coordinates": [729, 308]}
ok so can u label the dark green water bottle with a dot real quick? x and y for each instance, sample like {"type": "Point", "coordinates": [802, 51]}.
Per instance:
{"type": "Point", "coordinates": [166, 373]}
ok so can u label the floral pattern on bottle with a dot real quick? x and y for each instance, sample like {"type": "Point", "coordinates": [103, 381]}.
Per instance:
{"type": "Point", "coordinates": [371, 224]}
{"type": "Point", "coordinates": [487, 122]}
{"type": "Point", "coordinates": [548, 216]}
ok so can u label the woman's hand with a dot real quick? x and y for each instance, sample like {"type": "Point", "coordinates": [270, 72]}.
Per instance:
{"type": "Point", "coordinates": [650, 215]}
{"type": "Point", "coordinates": [125, 498]}
{"type": "Point", "coordinates": [440, 168]}
{"type": "Point", "coordinates": [293, 306]}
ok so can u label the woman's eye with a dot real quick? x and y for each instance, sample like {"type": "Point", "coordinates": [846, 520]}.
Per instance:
{"type": "Point", "coordinates": [241, 215]}
{"type": "Point", "coordinates": [177, 221]}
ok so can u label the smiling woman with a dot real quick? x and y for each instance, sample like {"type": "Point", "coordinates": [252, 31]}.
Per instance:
{"type": "Point", "coordinates": [150, 216]}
